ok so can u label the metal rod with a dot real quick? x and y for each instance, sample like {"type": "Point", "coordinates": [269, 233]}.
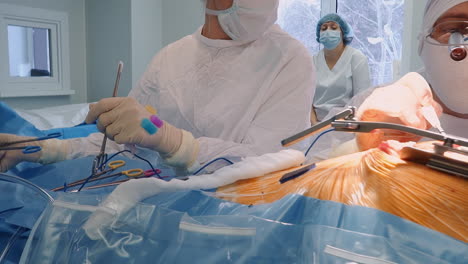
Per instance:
{"type": "Point", "coordinates": [365, 127]}
{"type": "Point", "coordinates": [348, 113]}
{"type": "Point", "coordinates": [101, 157]}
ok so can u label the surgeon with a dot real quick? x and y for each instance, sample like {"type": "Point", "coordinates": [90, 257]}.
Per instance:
{"type": "Point", "coordinates": [235, 87]}
{"type": "Point", "coordinates": [342, 71]}
{"type": "Point", "coordinates": [442, 44]}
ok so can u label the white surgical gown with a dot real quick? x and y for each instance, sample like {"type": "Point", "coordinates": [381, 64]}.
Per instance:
{"type": "Point", "coordinates": [337, 86]}
{"type": "Point", "coordinates": [237, 99]}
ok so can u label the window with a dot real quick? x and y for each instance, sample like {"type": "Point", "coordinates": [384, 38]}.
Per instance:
{"type": "Point", "coordinates": [377, 25]}
{"type": "Point", "coordinates": [35, 43]}
{"type": "Point", "coordinates": [299, 18]}
{"type": "Point", "coordinates": [28, 51]}
{"type": "Point", "coordinates": [378, 30]}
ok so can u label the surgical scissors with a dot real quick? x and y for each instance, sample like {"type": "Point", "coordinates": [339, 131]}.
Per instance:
{"type": "Point", "coordinates": [112, 166]}
{"type": "Point", "coordinates": [28, 149]}
{"type": "Point", "coordinates": [101, 158]}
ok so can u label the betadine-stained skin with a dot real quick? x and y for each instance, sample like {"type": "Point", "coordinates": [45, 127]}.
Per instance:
{"type": "Point", "coordinates": [372, 178]}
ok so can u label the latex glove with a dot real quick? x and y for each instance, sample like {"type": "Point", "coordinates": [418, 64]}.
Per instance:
{"type": "Point", "coordinates": [120, 119]}
{"type": "Point", "coordinates": [52, 150]}
{"type": "Point", "coordinates": [399, 103]}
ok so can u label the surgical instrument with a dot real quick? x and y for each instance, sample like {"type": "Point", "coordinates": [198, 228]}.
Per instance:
{"type": "Point", "coordinates": [28, 149]}
{"type": "Point", "coordinates": [431, 116]}
{"type": "Point", "coordinates": [112, 166]}
{"type": "Point", "coordinates": [345, 114]}
{"type": "Point", "coordinates": [349, 124]}
{"type": "Point", "coordinates": [296, 173]}
{"type": "Point", "coordinates": [132, 173]}
{"type": "Point", "coordinates": [145, 174]}
{"type": "Point", "coordinates": [101, 158]}
{"type": "Point", "coordinates": [435, 160]}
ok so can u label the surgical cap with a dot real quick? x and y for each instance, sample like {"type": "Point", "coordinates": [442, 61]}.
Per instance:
{"type": "Point", "coordinates": [348, 34]}
{"type": "Point", "coordinates": [434, 9]}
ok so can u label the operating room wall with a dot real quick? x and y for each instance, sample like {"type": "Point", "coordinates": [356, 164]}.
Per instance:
{"type": "Point", "coordinates": [108, 28]}
{"type": "Point", "coordinates": [410, 58]}
{"type": "Point", "coordinates": [181, 18]}
{"type": "Point", "coordinates": [76, 19]}
{"type": "Point", "coordinates": [146, 17]}
{"type": "Point", "coordinates": [130, 31]}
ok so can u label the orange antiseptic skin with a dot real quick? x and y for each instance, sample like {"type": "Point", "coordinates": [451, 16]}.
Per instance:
{"type": "Point", "coordinates": [373, 179]}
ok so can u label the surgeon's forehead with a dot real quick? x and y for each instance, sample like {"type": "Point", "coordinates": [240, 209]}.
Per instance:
{"type": "Point", "coordinates": [458, 12]}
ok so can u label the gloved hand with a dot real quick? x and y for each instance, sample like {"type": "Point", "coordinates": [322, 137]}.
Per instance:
{"type": "Point", "coordinates": [399, 103]}
{"type": "Point", "coordinates": [52, 150]}
{"type": "Point", "coordinates": [120, 119]}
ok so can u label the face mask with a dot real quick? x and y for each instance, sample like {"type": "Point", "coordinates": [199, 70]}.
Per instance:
{"type": "Point", "coordinates": [330, 38]}
{"type": "Point", "coordinates": [448, 78]}
{"type": "Point", "coordinates": [247, 19]}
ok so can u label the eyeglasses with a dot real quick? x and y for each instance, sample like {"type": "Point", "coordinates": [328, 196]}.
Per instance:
{"type": "Point", "coordinates": [449, 33]}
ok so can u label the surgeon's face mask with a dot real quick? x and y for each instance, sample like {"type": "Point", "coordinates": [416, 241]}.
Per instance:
{"type": "Point", "coordinates": [330, 39]}
{"type": "Point", "coordinates": [447, 76]}
{"type": "Point", "coordinates": [247, 19]}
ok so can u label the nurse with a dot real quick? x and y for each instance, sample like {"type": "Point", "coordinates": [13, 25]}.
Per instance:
{"type": "Point", "coordinates": [342, 71]}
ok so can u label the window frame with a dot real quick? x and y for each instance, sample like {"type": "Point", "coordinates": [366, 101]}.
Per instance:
{"type": "Point", "coordinates": [57, 24]}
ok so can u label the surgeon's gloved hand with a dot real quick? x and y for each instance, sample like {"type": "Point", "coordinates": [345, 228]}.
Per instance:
{"type": "Point", "coordinates": [52, 150]}
{"type": "Point", "coordinates": [399, 103]}
{"type": "Point", "coordinates": [120, 119]}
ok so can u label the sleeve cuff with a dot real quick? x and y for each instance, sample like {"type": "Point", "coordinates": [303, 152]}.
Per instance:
{"type": "Point", "coordinates": [186, 155]}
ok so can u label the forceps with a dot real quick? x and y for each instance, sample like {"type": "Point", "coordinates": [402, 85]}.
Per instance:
{"type": "Point", "coordinates": [28, 149]}
{"type": "Point", "coordinates": [112, 166]}
{"type": "Point", "coordinates": [100, 159]}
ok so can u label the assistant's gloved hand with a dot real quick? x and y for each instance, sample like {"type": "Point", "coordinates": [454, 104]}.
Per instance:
{"type": "Point", "coordinates": [120, 119]}
{"type": "Point", "coordinates": [399, 103]}
{"type": "Point", "coordinates": [52, 150]}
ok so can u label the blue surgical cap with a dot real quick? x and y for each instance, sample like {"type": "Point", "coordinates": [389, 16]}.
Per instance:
{"type": "Point", "coordinates": [348, 34]}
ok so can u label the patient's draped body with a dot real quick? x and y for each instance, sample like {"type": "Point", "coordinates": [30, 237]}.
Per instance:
{"type": "Point", "coordinates": [374, 179]}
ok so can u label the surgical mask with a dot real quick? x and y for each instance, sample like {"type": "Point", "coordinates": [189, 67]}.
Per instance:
{"type": "Point", "coordinates": [330, 38]}
{"type": "Point", "coordinates": [448, 78]}
{"type": "Point", "coordinates": [247, 20]}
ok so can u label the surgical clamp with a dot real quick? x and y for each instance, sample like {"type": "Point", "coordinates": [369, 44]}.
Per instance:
{"type": "Point", "coordinates": [28, 149]}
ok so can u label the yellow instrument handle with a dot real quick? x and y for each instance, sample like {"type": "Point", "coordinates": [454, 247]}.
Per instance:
{"type": "Point", "coordinates": [116, 164]}
{"type": "Point", "coordinates": [132, 173]}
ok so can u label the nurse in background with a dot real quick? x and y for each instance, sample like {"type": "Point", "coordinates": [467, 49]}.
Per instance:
{"type": "Point", "coordinates": [342, 71]}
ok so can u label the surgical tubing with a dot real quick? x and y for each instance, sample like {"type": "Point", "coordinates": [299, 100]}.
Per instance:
{"type": "Point", "coordinates": [16, 179]}
{"type": "Point", "coordinates": [20, 230]}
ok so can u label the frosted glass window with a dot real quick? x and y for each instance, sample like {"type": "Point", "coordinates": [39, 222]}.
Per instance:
{"type": "Point", "coordinates": [299, 18]}
{"type": "Point", "coordinates": [378, 29]}
{"type": "Point", "coordinates": [29, 51]}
